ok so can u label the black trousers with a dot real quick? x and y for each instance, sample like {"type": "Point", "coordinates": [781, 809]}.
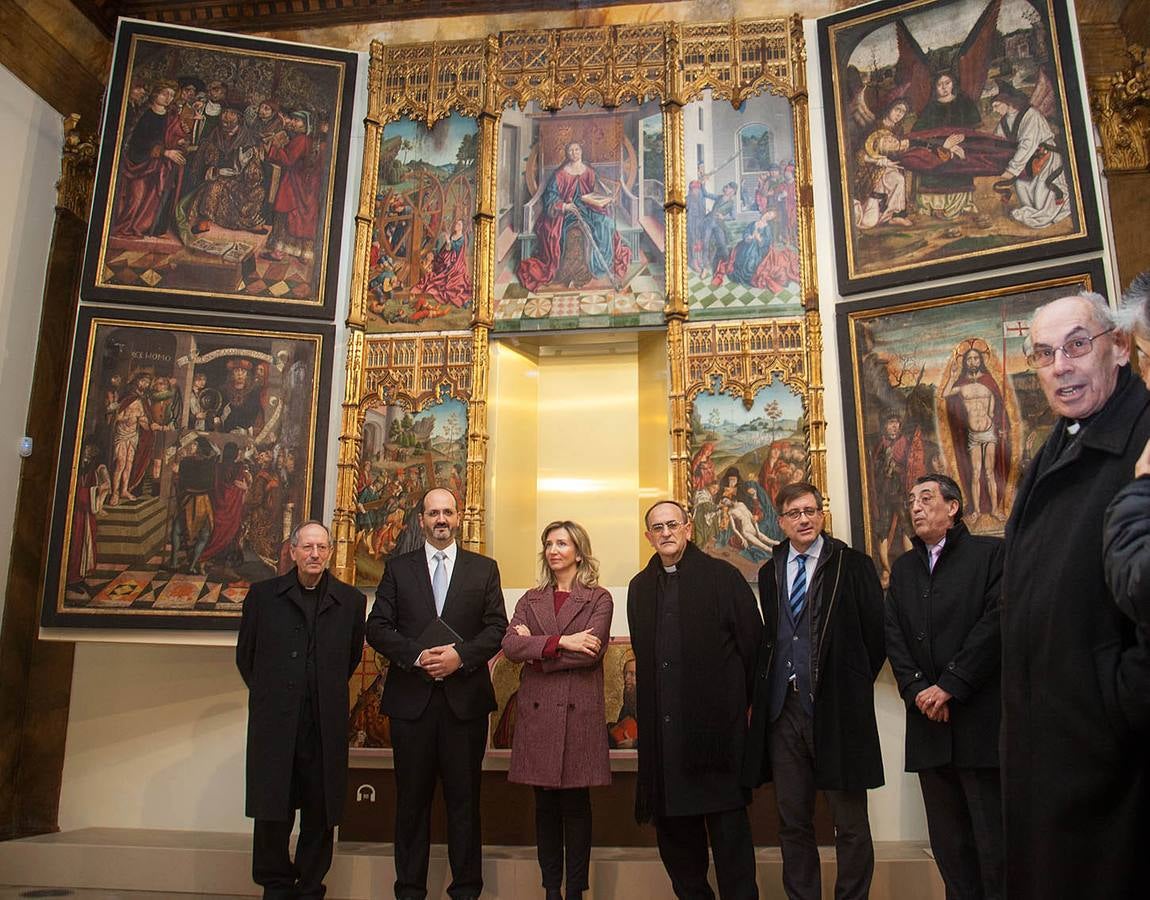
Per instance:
{"type": "Point", "coordinates": [683, 849]}
{"type": "Point", "coordinates": [792, 749]}
{"type": "Point", "coordinates": [272, 865]}
{"type": "Point", "coordinates": [438, 746]}
{"type": "Point", "coordinates": [964, 817]}
{"type": "Point", "coordinates": [563, 823]}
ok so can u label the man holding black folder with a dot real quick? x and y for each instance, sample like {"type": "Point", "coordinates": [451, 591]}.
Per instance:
{"type": "Point", "coordinates": [438, 617]}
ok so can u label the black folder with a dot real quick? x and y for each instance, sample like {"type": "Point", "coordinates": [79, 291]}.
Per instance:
{"type": "Point", "coordinates": [436, 634]}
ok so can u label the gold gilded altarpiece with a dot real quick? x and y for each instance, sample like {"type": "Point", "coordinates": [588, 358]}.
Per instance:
{"type": "Point", "coordinates": [668, 63]}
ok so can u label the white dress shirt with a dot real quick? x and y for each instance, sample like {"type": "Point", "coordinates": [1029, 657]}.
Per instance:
{"type": "Point", "coordinates": [812, 553]}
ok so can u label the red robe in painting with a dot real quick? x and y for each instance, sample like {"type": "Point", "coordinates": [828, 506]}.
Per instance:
{"type": "Point", "coordinates": [149, 182]}
{"type": "Point", "coordinates": [552, 226]}
{"type": "Point", "coordinates": [232, 483]}
{"type": "Point", "coordinates": [82, 545]}
{"type": "Point", "coordinates": [298, 197]}
{"type": "Point", "coordinates": [448, 281]}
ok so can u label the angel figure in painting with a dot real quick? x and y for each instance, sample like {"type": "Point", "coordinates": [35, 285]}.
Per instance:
{"type": "Point", "coordinates": [1036, 168]}
{"type": "Point", "coordinates": [880, 184]}
{"type": "Point", "coordinates": [575, 237]}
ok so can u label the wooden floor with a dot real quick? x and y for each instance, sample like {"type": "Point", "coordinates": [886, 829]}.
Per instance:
{"type": "Point", "coordinates": [106, 863]}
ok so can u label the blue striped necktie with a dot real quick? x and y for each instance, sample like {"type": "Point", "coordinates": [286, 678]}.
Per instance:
{"type": "Point", "coordinates": [799, 588]}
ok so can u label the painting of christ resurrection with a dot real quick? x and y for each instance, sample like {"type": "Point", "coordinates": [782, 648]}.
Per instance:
{"type": "Point", "coordinates": [191, 450]}
{"type": "Point", "coordinates": [941, 384]}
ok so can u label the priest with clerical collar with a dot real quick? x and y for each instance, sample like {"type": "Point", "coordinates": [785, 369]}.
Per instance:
{"type": "Point", "coordinates": [694, 631]}
{"type": "Point", "coordinates": [301, 638]}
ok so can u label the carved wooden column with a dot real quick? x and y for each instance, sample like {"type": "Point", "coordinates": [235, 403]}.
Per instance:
{"type": "Point", "coordinates": [35, 675]}
{"type": "Point", "coordinates": [1120, 103]}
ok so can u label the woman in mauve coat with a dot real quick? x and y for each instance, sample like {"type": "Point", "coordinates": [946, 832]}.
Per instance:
{"type": "Point", "coordinates": [560, 631]}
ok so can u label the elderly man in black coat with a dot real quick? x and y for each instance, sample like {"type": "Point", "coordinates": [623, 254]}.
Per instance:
{"type": "Point", "coordinates": [695, 631]}
{"type": "Point", "coordinates": [813, 721]}
{"type": "Point", "coordinates": [301, 638]}
{"type": "Point", "coordinates": [1074, 679]}
{"type": "Point", "coordinates": [943, 637]}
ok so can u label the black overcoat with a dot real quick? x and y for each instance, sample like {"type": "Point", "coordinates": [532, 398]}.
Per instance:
{"type": "Point", "coordinates": [720, 641]}
{"type": "Point", "coordinates": [1126, 550]}
{"type": "Point", "coordinates": [1074, 683]}
{"type": "Point", "coordinates": [943, 628]}
{"type": "Point", "coordinates": [271, 654]}
{"type": "Point", "coordinates": [847, 650]}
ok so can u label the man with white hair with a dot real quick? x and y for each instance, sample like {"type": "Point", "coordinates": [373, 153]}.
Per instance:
{"type": "Point", "coordinates": [1075, 680]}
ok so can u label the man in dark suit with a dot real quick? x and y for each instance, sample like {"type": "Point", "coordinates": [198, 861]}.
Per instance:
{"type": "Point", "coordinates": [438, 697]}
{"type": "Point", "coordinates": [812, 722]}
{"type": "Point", "coordinates": [300, 639]}
{"type": "Point", "coordinates": [943, 637]}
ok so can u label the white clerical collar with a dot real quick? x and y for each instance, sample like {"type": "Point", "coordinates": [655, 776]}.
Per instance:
{"type": "Point", "coordinates": [670, 570]}
{"type": "Point", "coordinates": [1074, 427]}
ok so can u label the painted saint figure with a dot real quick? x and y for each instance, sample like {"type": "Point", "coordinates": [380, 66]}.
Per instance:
{"type": "Point", "coordinates": [447, 280]}
{"type": "Point", "coordinates": [1036, 169]}
{"type": "Point", "coordinates": [946, 193]}
{"type": "Point", "coordinates": [151, 168]}
{"type": "Point", "coordinates": [575, 236]}
{"type": "Point", "coordinates": [979, 428]}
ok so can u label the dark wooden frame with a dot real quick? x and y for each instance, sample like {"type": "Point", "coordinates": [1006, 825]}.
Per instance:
{"type": "Point", "coordinates": [327, 252]}
{"type": "Point", "coordinates": [838, 36]}
{"type": "Point", "coordinates": [83, 389]}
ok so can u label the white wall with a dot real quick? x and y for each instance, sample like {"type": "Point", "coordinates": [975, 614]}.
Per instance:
{"type": "Point", "coordinates": [33, 137]}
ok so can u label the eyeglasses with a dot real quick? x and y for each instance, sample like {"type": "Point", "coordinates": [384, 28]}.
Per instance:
{"type": "Point", "coordinates": [808, 511]}
{"type": "Point", "coordinates": [314, 548]}
{"type": "Point", "coordinates": [668, 527]}
{"type": "Point", "coordinates": [1041, 357]}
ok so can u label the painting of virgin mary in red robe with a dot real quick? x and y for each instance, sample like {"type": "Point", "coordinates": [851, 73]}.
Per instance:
{"type": "Point", "coordinates": [575, 237]}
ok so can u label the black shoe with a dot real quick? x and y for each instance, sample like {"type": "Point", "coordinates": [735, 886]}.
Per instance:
{"type": "Point", "coordinates": [554, 894]}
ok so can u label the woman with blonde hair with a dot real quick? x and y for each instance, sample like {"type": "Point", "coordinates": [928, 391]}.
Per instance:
{"type": "Point", "coordinates": [560, 631]}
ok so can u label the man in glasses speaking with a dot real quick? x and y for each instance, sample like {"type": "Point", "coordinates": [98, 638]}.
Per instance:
{"type": "Point", "coordinates": [813, 722]}
{"type": "Point", "coordinates": [1075, 677]}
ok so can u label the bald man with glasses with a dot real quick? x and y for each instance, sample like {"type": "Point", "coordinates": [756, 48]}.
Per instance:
{"type": "Point", "coordinates": [813, 722]}
{"type": "Point", "coordinates": [695, 632]}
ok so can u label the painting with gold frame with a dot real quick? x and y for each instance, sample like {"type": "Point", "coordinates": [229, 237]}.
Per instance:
{"type": "Point", "coordinates": [740, 457]}
{"type": "Point", "coordinates": [940, 383]}
{"type": "Point", "coordinates": [580, 238]}
{"type": "Point", "coordinates": [222, 174]}
{"type": "Point", "coordinates": [419, 272]}
{"type": "Point", "coordinates": [191, 448]}
{"type": "Point", "coordinates": [742, 208]}
{"type": "Point", "coordinates": [957, 139]}
{"type": "Point", "coordinates": [403, 454]}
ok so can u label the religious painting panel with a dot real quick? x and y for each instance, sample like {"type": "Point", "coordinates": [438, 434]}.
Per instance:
{"type": "Point", "coordinates": [403, 454]}
{"type": "Point", "coordinates": [419, 274]}
{"type": "Point", "coordinates": [742, 208]}
{"type": "Point", "coordinates": [740, 456]}
{"type": "Point", "coordinates": [191, 449]}
{"type": "Point", "coordinates": [619, 694]}
{"type": "Point", "coordinates": [580, 232]}
{"type": "Point", "coordinates": [940, 384]}
{"type": "Point", "coordinates": [222, 173]}
{"type": "Point", "coordinates": [956, 139]}
{"type": "Point", "coordinates": [367, 727]}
